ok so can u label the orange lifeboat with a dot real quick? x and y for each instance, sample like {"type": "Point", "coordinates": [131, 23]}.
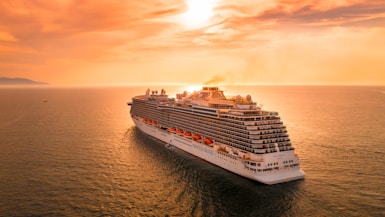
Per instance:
{"type": "Point", "coordinates": [187, 134]}
{"type": "Point", "coordinates": [179, 131]}
{"type": "Point", "coordinates": [196, 137]}
{"type": "Point", "coordinates": [154, 123]}
{"type": "Point", "coordinates": [208, 141]}
{"type": "Point", "coordinates": [171, 129]}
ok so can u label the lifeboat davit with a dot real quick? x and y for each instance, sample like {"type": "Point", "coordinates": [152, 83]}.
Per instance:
{"type": "Point", "coordinates": [208, 141]}
{"type": "Point", "coordinates": [196, 137]}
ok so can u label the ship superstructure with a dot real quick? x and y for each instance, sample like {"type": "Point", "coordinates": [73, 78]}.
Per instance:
{"type": "Point", "coordinates": [233, 133]}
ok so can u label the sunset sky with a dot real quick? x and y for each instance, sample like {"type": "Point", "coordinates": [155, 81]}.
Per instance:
{"type": "Point", "coordinates": [87, 42]}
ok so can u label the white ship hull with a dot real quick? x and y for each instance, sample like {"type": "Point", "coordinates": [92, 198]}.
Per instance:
{"type": "Point", "coordinates": [227, 161]}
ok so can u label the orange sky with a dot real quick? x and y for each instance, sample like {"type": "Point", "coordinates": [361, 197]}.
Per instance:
{"type": "Point", "coordinates": [76, 42]}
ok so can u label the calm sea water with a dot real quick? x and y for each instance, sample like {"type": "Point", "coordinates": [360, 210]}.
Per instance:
{"type": "Point", "coordinates": [79, 154]}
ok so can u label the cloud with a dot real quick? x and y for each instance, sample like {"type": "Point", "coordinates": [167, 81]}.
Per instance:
{"type": "Point", "coordinates": [313, 13]}
{"type": "Point", "coordinates": [88, 31]}
{"type": "Point", "coordinates": [255, 24]}
{"type": "Point", "coordinates": [42, 24]}
{"type": "Point", "coordinates": [66, 40]}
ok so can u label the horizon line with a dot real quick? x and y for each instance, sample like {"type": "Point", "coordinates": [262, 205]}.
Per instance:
{"type": "Point", "coordinates": [47, 85]}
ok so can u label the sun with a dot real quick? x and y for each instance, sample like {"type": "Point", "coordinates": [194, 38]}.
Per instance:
{"type": "Point", "coordinates": [198, 12]}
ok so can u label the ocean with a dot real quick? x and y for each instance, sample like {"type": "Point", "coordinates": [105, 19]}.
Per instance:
{"type": "Point", "coordinates": [76, 152]}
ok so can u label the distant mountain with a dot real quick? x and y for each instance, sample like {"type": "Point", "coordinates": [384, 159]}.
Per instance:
{"type": "Point", "coordinates": [19, 81]}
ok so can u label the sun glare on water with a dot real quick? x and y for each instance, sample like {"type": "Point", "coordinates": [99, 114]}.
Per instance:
{"type": "Point", "coordinates": [198, 13]}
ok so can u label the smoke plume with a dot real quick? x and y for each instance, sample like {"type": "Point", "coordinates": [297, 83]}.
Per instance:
{"type": "Point", "coordinates": [214, 80]}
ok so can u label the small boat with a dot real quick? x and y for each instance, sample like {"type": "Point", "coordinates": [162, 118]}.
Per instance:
{"type": "Point", "coordinates": [171, 129]}
{"type": "Point", "coordinates": [196, 137]}
{"type": "Point", "coordinates": [208, 141]}
{"type": "Point", "coordinates": [187, 134]}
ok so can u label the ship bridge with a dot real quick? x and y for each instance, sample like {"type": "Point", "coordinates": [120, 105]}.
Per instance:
{"type": "Point", "coordinates": [207, 93]}
{"type": "Point", "coordinates": [213, 97]}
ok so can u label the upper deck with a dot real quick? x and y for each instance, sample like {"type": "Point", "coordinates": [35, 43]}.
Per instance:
{"type": "Point", "coordinates": [209, 100]}
{"type": "Point", "coordinates": [235, 121]}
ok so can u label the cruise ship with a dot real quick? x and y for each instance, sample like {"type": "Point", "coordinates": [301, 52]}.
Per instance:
{"type": "Point", "coordinates": [233, 133]}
